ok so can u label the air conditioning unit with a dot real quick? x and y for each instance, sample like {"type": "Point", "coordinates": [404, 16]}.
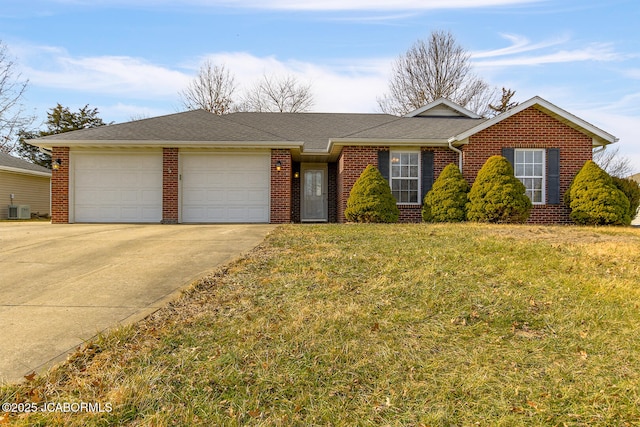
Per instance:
{"type": "Point", "coordinates": [19, 211]}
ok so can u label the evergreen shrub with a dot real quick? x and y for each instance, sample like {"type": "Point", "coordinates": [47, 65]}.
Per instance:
{"type": "Point", "coordinates": [497, 195]}
{"type": "Point", "coordinates": [594, 199]}
{"type": "Point", "coordinates": [371, 200]}
{"type": "Point", "coordinates": [631, 189]}
{"type": "Point", "coordinates": [447, 200]}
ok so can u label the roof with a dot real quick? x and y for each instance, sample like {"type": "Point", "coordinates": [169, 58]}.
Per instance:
{"type": "Point", "coordinates": [13, 164]}
{"type": "Point", "coordinates": [307, 134]}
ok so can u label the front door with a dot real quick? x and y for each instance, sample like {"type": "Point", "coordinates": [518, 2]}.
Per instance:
{"type": "Point", "coordinates": [314, 192]}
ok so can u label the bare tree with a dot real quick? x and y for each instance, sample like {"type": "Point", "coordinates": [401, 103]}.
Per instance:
{"type": "Point", "coordinates": [12, 89]}
{"type": "Point", "coordinates": [505, 104]}
{"type": "Point", "coordinates": [612, 162]}
{"type": "Point", "coordinates": [432, 69]}
{"type": "Point", "coordinates": [278, 95]}
{"type": "Point", "coordinates": [212, 90]}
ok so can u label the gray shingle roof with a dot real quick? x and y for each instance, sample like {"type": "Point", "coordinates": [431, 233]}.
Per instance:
{"type": "Point", "coordinates": [8, 161]}
{"type": "Point", "coordinates": [195, 126]}
{"type": "Point", "coordinates": [314, 130]}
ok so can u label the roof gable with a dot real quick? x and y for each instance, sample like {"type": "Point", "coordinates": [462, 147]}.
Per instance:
{"type": "Point", "coordinates": [443, 108]}
{"type": "Point", "coordinates": [600, 137]}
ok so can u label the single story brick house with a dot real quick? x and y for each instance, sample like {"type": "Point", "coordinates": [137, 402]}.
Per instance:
{"type": "Point", "coordinates": [23, 184]}
{"type": "Point", "coordinates": [196, 167]}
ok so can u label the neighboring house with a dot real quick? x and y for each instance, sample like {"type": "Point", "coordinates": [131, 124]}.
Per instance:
{"type": "Point", "coordinates": [196, 167]}
{"type": "Point", "coordinates": [28, 183]}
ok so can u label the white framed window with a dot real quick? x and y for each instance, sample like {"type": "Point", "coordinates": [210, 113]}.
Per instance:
{"type": "Point", "coordinates": [405, 176]}
{"type": "Point", "coordinates": [529, 168]}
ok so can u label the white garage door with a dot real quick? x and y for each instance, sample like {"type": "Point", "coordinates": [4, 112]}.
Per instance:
{"type": "Point", "coordinates": [225, 187]}
{"type": "Point", "coordinates": [117, 187]}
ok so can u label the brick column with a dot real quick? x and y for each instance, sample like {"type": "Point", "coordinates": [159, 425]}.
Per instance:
{"type": "Point", "coordinates": [60, 186]}
{"type": "Point", "coordinates": [170, 184]}
{"type": "Point", "coordinates": [281, 187]}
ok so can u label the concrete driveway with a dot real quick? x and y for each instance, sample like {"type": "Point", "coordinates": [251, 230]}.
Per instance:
{"type": "Point", "coordinates": [62, 284]}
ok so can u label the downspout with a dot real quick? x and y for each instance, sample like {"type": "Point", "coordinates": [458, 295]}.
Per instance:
{"type": "Point", "coordinates": [598, 150]}
{"type": "Point", "coordinates": [451, 147]}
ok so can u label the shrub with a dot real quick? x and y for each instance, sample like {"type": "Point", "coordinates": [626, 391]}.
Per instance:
{"type": "Point", "coordinates": [595, 200]}
{"type": "Point", "coordinates": [447, 200]}
{"type": "Point", "coordinates": [371, 200]}
{"type": "Point", "coordinates": [631, 189]}
{"type": "Point", "coordinates": [497, 195]}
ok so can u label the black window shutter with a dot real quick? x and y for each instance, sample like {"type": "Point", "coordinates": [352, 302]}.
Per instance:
{"type": "Point", "coordinates": [383, 163]}
{"type": "Point", "coordinates": [509, 154]}
{"type": "Point", "coordinates": [427, 172]}
{"type": "Point", "coordinates": [553, 176]}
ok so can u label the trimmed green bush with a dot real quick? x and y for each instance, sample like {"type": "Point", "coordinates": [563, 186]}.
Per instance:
{"type": "Point", "coordinates": [631, 189]}
{"type": "Point", "coordinates": [371, 200]}
{"type": "Point", "coordinates": [447, 200]}
{"type": "Point", "coordinates": [497, 195]}
{"type": "Point", "coordinates": [594, 199]}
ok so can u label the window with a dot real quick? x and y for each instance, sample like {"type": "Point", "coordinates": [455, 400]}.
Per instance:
{"type": "Point", "coordinates": [405, 176]}
{"type": "Point", "coordinates": [529, 168]}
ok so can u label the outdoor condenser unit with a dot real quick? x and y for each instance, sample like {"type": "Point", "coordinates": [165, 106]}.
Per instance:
{"type": "Point", "coordinates": [19, 211]}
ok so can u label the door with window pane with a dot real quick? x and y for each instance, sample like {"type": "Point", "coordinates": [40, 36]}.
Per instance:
{"type": "Point", "coordinates": [314, 193]}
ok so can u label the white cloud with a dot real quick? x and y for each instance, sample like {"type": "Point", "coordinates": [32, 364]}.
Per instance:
{"type": "Point", "coordinates": [519, 44]}
{"type": "Point", "coordinates": [370, 4]}
{"type": "Point", "coordinates": [591, 52]}
{"type": "Point", "coordinates": [316, 5]}
{"type": "Point", "coordinates": [53, 67]}
{"type": "Point", "coordinates": [633, 73]}
{"type": "Point", "coordinates": [336, 87]}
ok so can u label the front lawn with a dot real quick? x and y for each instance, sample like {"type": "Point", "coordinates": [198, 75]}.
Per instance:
{"type": "Point", "coordinates": [400, 325]}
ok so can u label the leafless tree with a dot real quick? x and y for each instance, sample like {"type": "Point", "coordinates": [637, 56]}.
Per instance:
{"type": "Point", "coordinates": [12, 89]}
{"type": "Point", "coordinates": [504, 104]}
{"type": "Point", "coordinates": [278, 95]}
{"type": "Point", "coordinates": [432, 69]}
{"type": "Point", "coordinates": [212, 90]}
{"type": "Point", "coordinates": [611, 161]}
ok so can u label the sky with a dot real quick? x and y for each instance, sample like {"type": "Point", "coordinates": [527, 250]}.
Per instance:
{"type": "Point", "coordinates": [131, 58]}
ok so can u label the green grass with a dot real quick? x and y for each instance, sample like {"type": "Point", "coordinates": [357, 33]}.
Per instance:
{"type": "Point", "coordinates": [399, 325]}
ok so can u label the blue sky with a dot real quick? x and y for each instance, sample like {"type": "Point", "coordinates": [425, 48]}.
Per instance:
{"type": "Point", "coordinates": [130, 58]}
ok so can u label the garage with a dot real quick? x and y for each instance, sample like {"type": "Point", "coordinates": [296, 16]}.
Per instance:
{"type": "Point", "coordinates": [225, 187]}
{"type": "Point", "coordinates": [117, 187]}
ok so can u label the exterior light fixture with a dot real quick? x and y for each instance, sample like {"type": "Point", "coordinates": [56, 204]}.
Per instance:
{"type": "Point", "coordinates": [278, 165]}
{"type": "Point", "coordinates": [56, 164]}
{"type": "Point", "coordinates": [296, 174]}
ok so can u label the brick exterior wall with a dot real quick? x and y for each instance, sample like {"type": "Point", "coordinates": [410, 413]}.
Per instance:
{"type": "Point", "coordinates": [60, 187]}
{"type": "Point", "coordinates": [351, 163]}
{"type": "Point", "coordinates": [353, 160]}
{"type": "Point", "coordinates": [170, 184]}
{"type": "Point", "coordinates": [441, 158]}
{"type": "Point", "coordinates": [532, 128]}
{"type": "Point", "coordinates": [281, 187]}
{"type": "Point", "coordinates": [296, 194]}
{"type": "Point", "coordinates": [332, 196]}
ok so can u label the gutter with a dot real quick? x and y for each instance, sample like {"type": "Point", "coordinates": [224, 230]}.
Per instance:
{"type": "Point", "coordinates": [451, 147]}
{"type": "Point", "coordinates": [599, 150]}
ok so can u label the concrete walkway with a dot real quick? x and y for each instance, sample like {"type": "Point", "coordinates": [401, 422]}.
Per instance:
{"type": "Point", "coordinates": [62, 284]}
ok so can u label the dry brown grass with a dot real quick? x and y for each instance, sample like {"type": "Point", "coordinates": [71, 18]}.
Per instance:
{"type": "Point", "coordinates": [380, 325]}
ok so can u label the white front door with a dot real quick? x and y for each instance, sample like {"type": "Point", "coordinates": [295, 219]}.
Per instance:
{"type": "Point", "coordinates": [314, 192]}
